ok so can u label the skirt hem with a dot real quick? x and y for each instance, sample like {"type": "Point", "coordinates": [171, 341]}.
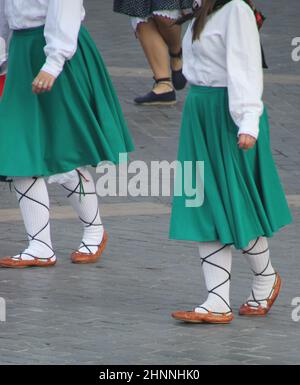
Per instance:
{"type": "Point", "coordinates": [63, 169]}
{"type": "Point", "coordinates": [225, 241]}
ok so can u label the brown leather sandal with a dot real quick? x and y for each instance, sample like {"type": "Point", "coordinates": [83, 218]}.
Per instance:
{"type": "Point", "coordinates": [247, 310]}
{"type": "Point", "coordinates": [78, 257]}
{"type": "Point", "coordinates": [207, 318]}
{"type": "Point", "coordinates": [9, 262]}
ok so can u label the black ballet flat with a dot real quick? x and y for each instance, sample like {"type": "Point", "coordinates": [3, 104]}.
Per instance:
{"type": "Point", "coordinates": [178, 79]}
{"type": "Point", "coordinates": [153, 99]}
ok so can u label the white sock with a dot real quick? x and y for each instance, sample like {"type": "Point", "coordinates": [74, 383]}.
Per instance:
{"type": "Point", "coordinates": [258, 256]}
{"type": "Point", "coordinates": [83, 198]}
{"type": "Point", "coordinates": [34, 204]}
{"type": "Point", "coordinates": [216, 260]}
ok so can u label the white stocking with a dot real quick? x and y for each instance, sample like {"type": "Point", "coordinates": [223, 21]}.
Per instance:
{"type": "Point", "coordinates": [83, 198]}
{"type": "Point", "coordinates": [258, 256]}
{"type": "Point", "coordinates": [34, 204]}
{"type": "Point", "coordinates": [216, 260]}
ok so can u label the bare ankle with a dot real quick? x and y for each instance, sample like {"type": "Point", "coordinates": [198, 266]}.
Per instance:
{"type": "Point", "coordinates": [176, 64]}
{"type": "Point", "coordinates": [163, 85]}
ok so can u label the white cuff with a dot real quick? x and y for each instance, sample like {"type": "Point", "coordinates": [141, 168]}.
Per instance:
{"type": "Point", "coordinates": [249, 125]}
{"type": "Point", "coordinates": [3, 53]}
{"type": "Point", "coordinates": [3, 68]}
{"type": "Point", "coordinates": [52, 67]}
{"type": "Point", "coordinates": [3, 59]}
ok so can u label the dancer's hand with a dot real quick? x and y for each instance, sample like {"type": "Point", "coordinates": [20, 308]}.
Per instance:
{"type": "Point", "coordinates": [246, 141]}
{"type": "Point", "coordinates": [43, 83]}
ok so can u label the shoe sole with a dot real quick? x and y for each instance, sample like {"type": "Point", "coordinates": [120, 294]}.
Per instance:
{"type": "Point", "coordinates": [205, 322]}
{"type": "Point", "coordinates": [208, 322]}
{"type": "Point", "coordinates": [26, 267]}
{"type": "Point", "coordinates": [157, 104]}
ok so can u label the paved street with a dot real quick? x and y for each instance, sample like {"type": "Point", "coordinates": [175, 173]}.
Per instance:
{"type": "Point", "coordinates": [118, 310]}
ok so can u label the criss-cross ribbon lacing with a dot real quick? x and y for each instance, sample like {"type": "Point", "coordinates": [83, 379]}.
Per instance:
{"type": "Point", "coordinates": [87, 225]}
{"type": "Point", "coordinates": [79, 190]}
{"type": "Point", "coordinates": [255, 300]}
{"type": "Point", "coordinates": [212, 291]}
{"type": "Point", "coordinates": [34, 237]}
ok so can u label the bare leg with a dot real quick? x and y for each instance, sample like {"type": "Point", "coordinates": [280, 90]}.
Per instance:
{"type": "Point", "coordinates": [172, 36]}
{"type": "Point", "coordinates": [156, 52]}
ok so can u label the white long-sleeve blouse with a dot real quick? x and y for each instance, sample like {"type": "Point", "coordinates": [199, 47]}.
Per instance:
{"type": "Point", "coordinates": [228, 54]}
{"type": "Point", "coordinates": [62, 20]}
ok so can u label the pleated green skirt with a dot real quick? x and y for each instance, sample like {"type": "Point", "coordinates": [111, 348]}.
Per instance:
{"type": "Point", "coordinates": [243, 194]}
{"type": "Point", "coordinates": [78, 123]}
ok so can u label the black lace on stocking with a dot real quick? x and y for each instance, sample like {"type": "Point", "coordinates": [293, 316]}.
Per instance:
{"type": "Point", "coordinates": [261, 274]}
{"type": "Point", "coordinates": [212, 291]}
{"type": "Point", "coordinates": [34, 237]}
{"type": "Point", "coordinates": [90, 224]}
{"type": "Point", "coordinates": [79, 190]}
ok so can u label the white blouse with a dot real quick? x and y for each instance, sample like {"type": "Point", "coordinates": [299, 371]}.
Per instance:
{"type": "Point", "coordinates": [228, 54]}
{"type": "Point", "coordinates": [62, 20]}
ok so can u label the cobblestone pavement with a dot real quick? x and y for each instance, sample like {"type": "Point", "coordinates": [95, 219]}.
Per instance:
{"type": "Point", "coordinates": [118, 310]}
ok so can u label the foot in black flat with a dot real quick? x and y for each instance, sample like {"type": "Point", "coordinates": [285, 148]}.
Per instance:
{"type": "Point", "coordinates": [178, 79]}
{"type": "Point", "coordinates": [154, 99]}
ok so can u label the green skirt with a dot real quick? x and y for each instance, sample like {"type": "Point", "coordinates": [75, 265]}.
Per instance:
{"type": "Point", "coordinates": [78, 123]}
{"type": "Point", "coordinates": [243, 194]}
